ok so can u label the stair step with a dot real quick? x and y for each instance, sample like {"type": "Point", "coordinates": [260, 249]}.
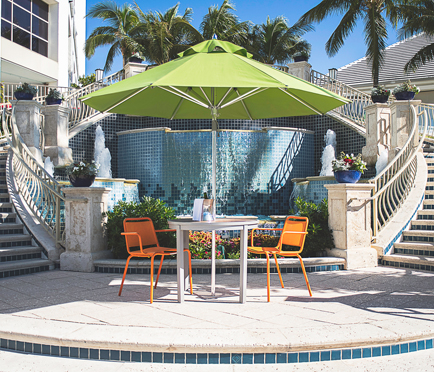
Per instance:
{"type": "Point", "coordinates": [429, 191]}
{"type": "Point", "coordinates": [15, 240]}
{"type": "Point", "coordinates": [408, 262]}
{"type": "Point", "coordinates": [8, 217]}
{"type": "Point", "coordinates": [415, 249]}
{"type": "Point", "coordinates": [422, 225]}
{"type": "Point", "coordinates": [19, 253]}
{"type": "Point", "coordinates": [11, 228]}
{"type": "Point", "coordinates": [5, 207]}
{"type": "Point", "coordinates": [25, 267]}
{"type": "Point", "coordinates": [425, 214]}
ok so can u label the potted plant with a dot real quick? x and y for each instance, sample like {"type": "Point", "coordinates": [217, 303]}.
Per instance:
{"type": "Point", "coordinates": [301, 56]}
{"type": "Point", "coordinates": [348, 168]}
{"type": "Point", "coordinates": [82, 174]}
{"type": "Point", "coordinates": [54, 97]}
{"type": "Point", "coordinates": [380, 94]}
{"type": "Point", "coordinates": [25, 92]}
{"type": "Point", "coordinates": [136, 58]}
{"type": "Point", "coordinates": [405, 91]}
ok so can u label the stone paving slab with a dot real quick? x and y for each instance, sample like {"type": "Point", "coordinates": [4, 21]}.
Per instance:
{"type": "Point", "coordinates": [349, 308]}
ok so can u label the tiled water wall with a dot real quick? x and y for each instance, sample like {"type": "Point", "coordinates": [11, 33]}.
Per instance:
{"type": "Point", "coordinates": [254, 169]}
{"type": "Point", "coordinates": [347, 140]}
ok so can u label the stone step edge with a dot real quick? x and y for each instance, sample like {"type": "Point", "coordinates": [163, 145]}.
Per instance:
{"type": "Point", "coordinates": [424, 246]}
{"type": "Point", "coordinates": [17, 251]}
{"type": "Point", "coordinates": [251, 262]}
{"type": "Point", "coordinates": [420, 260]}
{"type": "Point", "coordinates": [24, 264]}
{"type": "Point", "coordinates": [107, 337]}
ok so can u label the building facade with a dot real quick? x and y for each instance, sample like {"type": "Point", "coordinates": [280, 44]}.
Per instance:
{"type": "Point", "coordinates": [42, 41]}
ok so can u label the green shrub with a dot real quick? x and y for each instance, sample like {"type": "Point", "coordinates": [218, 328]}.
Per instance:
{"type": "Point", "coordinates": [200, 245]}
{"type": "Point", "coordinates": [319, 235]}
{"type": "Point", "coordinates": [155, 209]}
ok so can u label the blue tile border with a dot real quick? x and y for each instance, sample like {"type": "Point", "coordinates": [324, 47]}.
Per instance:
{"type": "Point", "coordinates": [216, 358]}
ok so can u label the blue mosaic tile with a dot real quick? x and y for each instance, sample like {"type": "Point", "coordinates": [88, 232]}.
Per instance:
{"type": "Point", "coordinates": [303, 357]}
{"type": "Point", "coordinates": [116, 355]}
{"type": "Point", "coordinates": [367, 352]}
{"type": "Point", "coordinates": [314, 356]}
{"type": "Point", "coordinates": [168, 357]}
{"type": "Point", "coordinates": [64, 351]}
{"type": "Point", "coordinates": [376, 351]}
{"type": "Point", "coordinates": [282, 357]}
{"type": "Point", "coordinates": [179, 358]}
{"type": "Point", "coordinates": [94, 354]}
{"type": "Point", "coordinates": [356, 353]}
{"type": "Point", "coordinates": [225, 358]}
{"type": "Point", "coordinates": [136, 356]}
{"type": "Point", "coordinates": [20, 346]}
{"type": "Point", "coordinates": [3, 343]}
{"type": "Point", "coordinates": [104, 354]}
{"type": "Point", "coordinates": [28, 347]}
{"type": "Point", "coordinates": [158, 357]}
{"type": "Point", "coordinates": [259, 358]}
{"type": "Point", "coordinates": [421, 345]}
{"type": "Point", "coordinates": [404, 348]}
{"type": "Point", "coordinates": [271, 358]}
{"type": "Point", "coordinates": [336, 354]}
{"type": "Point", "coordinates": [190, 358]}
{"type": "Point", "coordinates": [346, 354]}
{"type": "Point", "coordinates": [37, 349]}
{"type": "Point", "coordinates": [213, 359]}
{"type": "Point", "coordinates": [412, 347]}
{"type": "Point", "coordinates": [325, 355]}
{"type": "Point", "coordinates": [202, 358]}
{"type": "Point", "coordinates": [236, 358]}
{"type": "Point", "coordinates": [247, 358]}
{"type": "Point", "coordinates": [395, 349]}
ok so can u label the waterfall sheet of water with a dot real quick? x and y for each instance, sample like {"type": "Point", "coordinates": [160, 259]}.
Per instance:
{"type": "Point", "coordinates": [382, 161]}
{"type": "Point", "coordinates": [49, 166]}
{"type": "Point", "coordinates": [102, 154]}
{"type": "Point", "coordinates": [328, 154]}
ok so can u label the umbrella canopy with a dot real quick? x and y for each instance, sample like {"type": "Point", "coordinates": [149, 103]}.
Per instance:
{"type": "Point", "coordinates": [214, 79]}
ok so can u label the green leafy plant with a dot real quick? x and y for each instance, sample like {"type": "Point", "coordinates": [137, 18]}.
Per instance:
{"type": "Point", "coordinates": [84, 80]}
{"type": "Point", "coordinates": [349, 162]}
{"type": "Point", "coordinates": [380, 91]}
{"type": "Point", "coordinates": [54, 94]}
{"type": "Point", "coordinates": [319, 235]}
{"type": "Point", "coordinates": [26, 88]}
{"type": "Point", "coordinates": [82, 168]}
{"type": "Point", "coordinates": [406, 87]}
{"type": "Point", "coordinates": [155, 209]}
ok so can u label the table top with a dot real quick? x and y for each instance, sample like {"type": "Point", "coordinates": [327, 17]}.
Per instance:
{"type": "Point", "coordinates": [218, 224]}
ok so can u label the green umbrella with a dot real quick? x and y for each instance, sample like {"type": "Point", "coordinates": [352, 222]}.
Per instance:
{"type": "Point", "coordinates": [214, 79]}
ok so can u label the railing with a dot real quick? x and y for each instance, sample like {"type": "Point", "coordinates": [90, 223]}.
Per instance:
{"type": "Point", "coordinates": [10, 88]}
{"type": "Point", "coordinates": [39, 190]}
{"type": "Point", "coordinates": [353, 110]}
{"type": "Point", "coordinates": [429, 109]}
{"type": "Point", "coordinates": [394, 183]}
{"type": "Point", "coordinates": [79, 110]}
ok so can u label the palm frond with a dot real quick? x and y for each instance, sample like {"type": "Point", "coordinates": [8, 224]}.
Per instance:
{"type": "Point", "coordinates": [424, 55]}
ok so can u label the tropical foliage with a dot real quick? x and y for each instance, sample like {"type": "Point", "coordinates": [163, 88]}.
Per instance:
{"type": "Point", "coordinates": [373, 13]}
{"type": "Point", "coordinates": [406, 87]}
{"type": "Point", "coordinates": [418, 16]}
{"type": "Point", "coordinates": [120, 21]}
{"type": "Point", "coordinates": [275, 42]}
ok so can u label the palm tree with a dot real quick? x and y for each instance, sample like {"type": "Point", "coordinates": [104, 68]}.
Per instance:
{"type": "Point", "coordinates": [275, 42]}
{"type": "Point", "coordinates": [372, 12]}
{"type": "Point", "coordinates": [121, 20]}
{"type": "Point", "coordinates": [418, 17]}
{"type": "Point", "coordinates": [223, 23]}
{"type": "Point", "coordinates": [159, 37]}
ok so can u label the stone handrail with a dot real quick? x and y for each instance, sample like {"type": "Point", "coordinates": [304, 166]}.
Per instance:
{"type": "Point", "coordinates": [39, 190]}
{"type": "Point", "coordinates": [393, 183]}
{"type": "Point", "coordinates": [353, 110]}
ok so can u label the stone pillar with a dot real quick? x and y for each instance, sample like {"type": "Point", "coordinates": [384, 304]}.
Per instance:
{"type": "Point", "coordinates": [377, 132]}
{"type": "Point", "coordinates": [300, 69]}
{"type": "Point", "coordinates": [28, 118]}
{"type": "Point", "coordinates": [132, 69]}
{"type": "Point", "coordinates": [56, 134]}
{"type": "Point", "coordinates": [350, 219]}
{"type": "Point", "coordinates": [401, 124]}
{"type": "Point", "coordinates": [84, 228]}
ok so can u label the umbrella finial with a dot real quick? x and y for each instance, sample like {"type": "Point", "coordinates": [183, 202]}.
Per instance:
{"type": "Point", "coordinates": [214, 37]}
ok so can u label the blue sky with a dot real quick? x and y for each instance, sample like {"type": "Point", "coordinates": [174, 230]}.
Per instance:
{"type": "Point", "coordinates": [257, 12]}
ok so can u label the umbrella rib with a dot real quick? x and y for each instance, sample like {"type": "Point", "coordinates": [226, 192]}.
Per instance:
{"type": "Point", "coordinates": [244, 105]}
{"type": "Point", "coordinates": [205, 96]}
{"type": "Point", "coordinates": [301, 101]}
{"type": "Point", "coordinates": [132, 95]}
{"type": "Point", "coordinates": [177, 108]}
{"type": "Point", "coordinates": [221, 101]}
{"type": "Point", "coordinates": [245, 95]}
{"type": "Point", "coordinates": [181, 94]}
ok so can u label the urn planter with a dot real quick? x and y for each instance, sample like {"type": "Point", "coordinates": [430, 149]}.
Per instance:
{"type": "Point", "coordinates": [404, 96]}
{"type": "Point", "coordinates": [347, 176]}
{"type": "Point", "coordinates": [81, 181]}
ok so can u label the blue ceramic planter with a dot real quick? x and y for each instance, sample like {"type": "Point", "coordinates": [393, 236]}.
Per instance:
{"type": "Point", "coordinates": [23, 96]}
{"type": "Point", "coordinates": [53, 101]}
{"type": "Point", "coordinates": [348, 176]}
{"type": "Point", "coordinates": [404, 96]}
{"type": "Point", "coordinates": [83, 181]}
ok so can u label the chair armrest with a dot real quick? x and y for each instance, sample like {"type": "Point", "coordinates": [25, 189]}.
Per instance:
{"type": "Point", "coordinates": [166, 230]}
{"type": "Point", "coordinates": [261, 228]}
{"type": "Point", "coordinates": [126, 234]}
{"type": "Point", "coordinates": [295, 232]}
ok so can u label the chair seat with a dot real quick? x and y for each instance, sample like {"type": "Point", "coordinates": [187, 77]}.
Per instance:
{"type": "Point", "coordinates": [262, 250]}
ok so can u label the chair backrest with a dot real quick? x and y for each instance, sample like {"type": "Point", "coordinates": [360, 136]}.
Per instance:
{"type": "Point", "coordinates": [145, 228]}
{"type": "Point", "coordinates": [296, 224]}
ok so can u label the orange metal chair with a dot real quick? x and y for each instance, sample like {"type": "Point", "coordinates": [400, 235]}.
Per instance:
{"type": "Point", "coordinates": [141, 239]}
{"type": "Point", "coordinates": [293, 233]}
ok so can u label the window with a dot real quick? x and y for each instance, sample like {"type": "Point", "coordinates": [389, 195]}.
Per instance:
{"type": "Point", "coordinates": [25, 22]}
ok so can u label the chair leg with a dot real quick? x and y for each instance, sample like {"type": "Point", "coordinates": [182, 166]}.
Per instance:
{"type": "Point", "coordinates": [125, 273]}
{"type": "Point", "coordinates": [189, 267]}
{"type": "Point", "coordinates": [305, 276]}
{"type": "Point", "coordinates": [159, 271]}
{"type": "Point", "coordinates": [278, 270]}
{"type": "Point", "coordinates": [152, 278]}
{"type": "Point", "coordinates": [268, 277]}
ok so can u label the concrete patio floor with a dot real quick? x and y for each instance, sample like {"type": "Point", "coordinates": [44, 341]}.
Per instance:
{"type": "Point", "coordinates": [349, 309]}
